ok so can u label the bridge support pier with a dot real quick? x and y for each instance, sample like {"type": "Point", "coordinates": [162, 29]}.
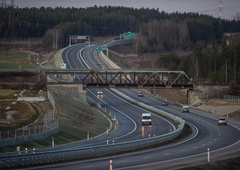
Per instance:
{"type": "Point", "coordinates": [168, 86]}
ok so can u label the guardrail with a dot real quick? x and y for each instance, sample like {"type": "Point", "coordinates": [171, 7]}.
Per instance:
{"type": "Point", "coordinates": [37, 158]}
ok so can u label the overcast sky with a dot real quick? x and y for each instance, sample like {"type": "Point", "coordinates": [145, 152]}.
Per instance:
{"type": "Point", "coordinates": [210, 7]}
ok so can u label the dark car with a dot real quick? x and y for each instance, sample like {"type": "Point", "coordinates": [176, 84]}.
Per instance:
{"type": "Point", "coordinates": [164, 103]}
{"type": "Point", "coordinates": [99, 92]}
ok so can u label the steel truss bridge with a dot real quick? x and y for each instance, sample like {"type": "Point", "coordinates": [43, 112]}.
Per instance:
{"type": "Point", "coordinates": [121, 78]}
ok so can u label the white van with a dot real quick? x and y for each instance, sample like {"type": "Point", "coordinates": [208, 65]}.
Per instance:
{"type": "Point", "coordinates": [146, 119]}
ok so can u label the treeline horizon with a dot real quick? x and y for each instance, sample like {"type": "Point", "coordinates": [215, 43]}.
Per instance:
{"type": "Point", "coordinates": [103, 21]}
{"type": "Point", "coordinates": [200, 38]}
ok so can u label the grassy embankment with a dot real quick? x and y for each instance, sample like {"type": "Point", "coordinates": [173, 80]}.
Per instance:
{"type": "Point", "coordinates": [14, 60]}
{"type": "Point", "coordinates": [77, 118]}
{"type": "Point", "coordinates": [25, 113]}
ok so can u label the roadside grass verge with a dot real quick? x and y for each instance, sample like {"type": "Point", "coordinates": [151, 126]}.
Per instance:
{"type": "Point", "coordinates": [235, 115]}
{"type": "Point", "coordinates": [14, 60]}
{"type": "Point", "coordinates": [9, 93]}
{"type": "Point", "coordinates": [77, 120]}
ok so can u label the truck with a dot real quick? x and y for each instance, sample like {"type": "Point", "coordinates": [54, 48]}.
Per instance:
{"type": "Point", "coordinates": [185, 109]}
{"type": "Point", "coordinates": [146, 119]}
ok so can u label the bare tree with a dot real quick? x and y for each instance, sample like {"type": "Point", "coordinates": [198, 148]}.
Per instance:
{"type": "Point", "coordinates": [237, 17]}
{"type": "Point", "coordinates": [157, 34]}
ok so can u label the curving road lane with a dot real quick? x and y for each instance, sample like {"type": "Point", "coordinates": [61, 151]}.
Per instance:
{"type": "Point", "coordinates": [223, 141]}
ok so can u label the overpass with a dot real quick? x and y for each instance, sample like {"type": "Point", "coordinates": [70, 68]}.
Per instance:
{"type": "Point", "coordinates": [120, 78]}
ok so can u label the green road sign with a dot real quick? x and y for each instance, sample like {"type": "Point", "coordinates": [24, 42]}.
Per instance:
{"type": "Point", "coordinates": [98, 49]}
{"type": "Point", "coordinates": [129, 34]}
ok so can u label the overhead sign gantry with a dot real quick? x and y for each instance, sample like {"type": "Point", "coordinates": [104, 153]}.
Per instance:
{"type": "Point", "coordinates": [85, 38]}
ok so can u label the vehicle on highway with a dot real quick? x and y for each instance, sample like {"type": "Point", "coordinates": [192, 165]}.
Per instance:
{"type": "Point", "coordinates": [222, 121]}
{"type": "Point", "coordinates": [99, 92]}
{"type": "Point", "coordinates": [185, 109]}
{"type": "Point", "coordinates": [140, 94]}
{"type": "Point", "coordinates": [146, 119]}
{"type": "Point", "coordinates": [164, 103]}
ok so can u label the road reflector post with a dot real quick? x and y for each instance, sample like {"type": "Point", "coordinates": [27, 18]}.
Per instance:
{"type": "Point", "coordinates": [110, 164]}
{"type": "Point", "coordinates": [208, 151]}
{"type": "Point", "coordinates": [18, 150]}
{"type": "Point", "coordinates": [53, 142]}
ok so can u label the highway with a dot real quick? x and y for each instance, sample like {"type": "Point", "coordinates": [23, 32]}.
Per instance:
{"type": "Point", "coordinates": [129, 124]}
{"type": "Point", "coordinates": [223, 141]}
